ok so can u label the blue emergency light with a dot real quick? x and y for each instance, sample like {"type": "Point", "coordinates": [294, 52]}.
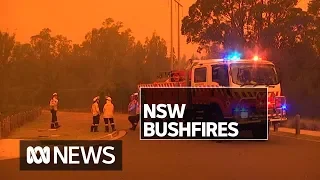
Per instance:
{"type": "Point", "coordinates": [233, 56]}
{"type": "Point", "coordinates": [240, 110]}
{"type": "Point", "coordinates": [284, 107]}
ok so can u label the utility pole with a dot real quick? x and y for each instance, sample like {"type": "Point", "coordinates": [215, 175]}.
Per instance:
{"type": "Point", "coordinates": [179, 6]}
{"type": "Point", "coordinates": [178, 32]}
{"type": "Point", "coordinates": [171, 49]}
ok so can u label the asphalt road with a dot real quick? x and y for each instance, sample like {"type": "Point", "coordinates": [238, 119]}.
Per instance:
{"type": "Point", "coordinates": [279, 158]}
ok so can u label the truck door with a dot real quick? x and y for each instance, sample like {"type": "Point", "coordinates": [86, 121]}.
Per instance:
{"type": "Point", "coordinates": [220, 74]}
{"type": "Point", "coordinates": [198, 79]}
{"type": "Point", "coordinates": [199, 76]}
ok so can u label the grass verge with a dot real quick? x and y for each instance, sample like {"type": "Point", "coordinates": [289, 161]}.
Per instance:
{"type": "Point", "coordinates": [301, 136]}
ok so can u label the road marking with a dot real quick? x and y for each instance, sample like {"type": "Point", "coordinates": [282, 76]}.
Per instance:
{"type": "Point", "coordinates": [120, 134]}
{"type": "Point", "coordinates": [105, 136]}
{"type": "Point", "coordinates": [113, 136]}
{"type": "Point", "coordinates": [305, 139]}
{"type": "Point", "coordinates": [43, 136]}
{"type": "Point", "coordinates": [42, 130]}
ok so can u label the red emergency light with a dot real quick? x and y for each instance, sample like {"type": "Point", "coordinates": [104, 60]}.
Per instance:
{"type": "Point", "coordinates": [280, 102]}
{"type": "Point", "coordinates": [271, 100]}
{"type": "Point", "coordinates": [256, 58]}
{"type": "Point", "coordinates": [276, 101]}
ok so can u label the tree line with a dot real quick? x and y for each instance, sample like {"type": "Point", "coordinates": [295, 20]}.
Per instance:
{"type": "Point", "coordinates": [110, 61]}
{"type": "Point", "coordinates": [276, 30]}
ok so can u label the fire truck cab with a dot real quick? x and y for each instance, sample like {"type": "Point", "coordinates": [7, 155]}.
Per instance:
{"type": "Point", "coordinates": [242, 73]}
{"type": "Point", "coordinates": [235, 73]}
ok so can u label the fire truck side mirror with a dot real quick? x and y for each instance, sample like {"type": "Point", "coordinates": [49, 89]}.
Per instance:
{"type": "Point", "coordinates": [278, 78]}
{"type": "Point", "coordinates": [279, 75]}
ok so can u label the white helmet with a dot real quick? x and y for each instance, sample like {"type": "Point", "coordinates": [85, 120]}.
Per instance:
{"type": "Point", "coordinates": [108, 98]}
{"type": "Point", "coordinates": [95, 99]}
{"type": "Point", "coordinates": [55, 94]}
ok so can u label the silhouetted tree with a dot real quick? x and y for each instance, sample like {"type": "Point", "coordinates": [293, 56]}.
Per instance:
{"type": "Point", "coordinates": [108, 62]}
{"type": "Point", "coordinates": [286, 35]}
{"type": "Point", "coordinates": [7, 42]}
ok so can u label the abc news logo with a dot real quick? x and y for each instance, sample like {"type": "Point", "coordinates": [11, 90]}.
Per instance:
{"type": "Point", "coordinates": [78, 155]}
{"type": "Point", "coordinates": [68, 155]}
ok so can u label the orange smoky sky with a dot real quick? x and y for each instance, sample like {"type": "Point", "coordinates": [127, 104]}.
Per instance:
{"type": "Point", "coordinates": [75, 18]}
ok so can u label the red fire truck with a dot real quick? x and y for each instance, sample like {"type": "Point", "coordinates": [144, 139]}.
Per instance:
{"type": "Point", "coordinates": [235, 103]}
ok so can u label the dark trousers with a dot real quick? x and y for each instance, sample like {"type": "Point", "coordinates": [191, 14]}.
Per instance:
{"type": "Point", "coordinates": [95, 120]}
{"type": "Point", "coordinates": [137, 119]}
{"type": "Point", "coordinates": [54, 119]}
{"type": "Point", "coordinates": [95, 123]}
{"type": "Point", "coordinates": [134, 121]}
{"type": "Point", "coordinates": [106, 123]}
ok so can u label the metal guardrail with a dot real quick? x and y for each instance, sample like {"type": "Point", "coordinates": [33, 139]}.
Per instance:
{"type": "Point", "coordinates": [10, 123]}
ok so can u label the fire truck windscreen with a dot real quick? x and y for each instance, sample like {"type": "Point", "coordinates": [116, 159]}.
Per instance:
{"type": "Point", "coordinates": [254, 74]}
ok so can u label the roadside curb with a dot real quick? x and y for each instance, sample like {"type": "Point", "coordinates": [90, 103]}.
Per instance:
{"type": "Point", "coordinates": [292, 132]}
{"type": "Point", "coordinates": [296, 137]}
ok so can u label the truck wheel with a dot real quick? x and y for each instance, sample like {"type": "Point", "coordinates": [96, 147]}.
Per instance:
{"type": "Point", "coordinates": [188, 115]}
{"type": "Point", "coordinates": [260, 131]}
{"type": "Point", "coordinates": [214, 114]}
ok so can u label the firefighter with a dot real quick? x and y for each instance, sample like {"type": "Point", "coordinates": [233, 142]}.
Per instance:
{"type": "Point", "coordinates": [132, 111]}
{"type": "Point", "coordinates": [176, 77]}
{"type": "Point", "coordinates": [54, 109]}
{"type": "Point", "coordinates": [95, 114]}
{"type": "Point", "coordinates": [108, 111]}
{"type": "Point", "coordinates": [136, 97]}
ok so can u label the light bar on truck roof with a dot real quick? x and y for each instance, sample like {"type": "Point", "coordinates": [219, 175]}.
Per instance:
{"type": "Point", "coordinates": [256, 58]}
{"type": "Point", "coordinates": [233, 56]}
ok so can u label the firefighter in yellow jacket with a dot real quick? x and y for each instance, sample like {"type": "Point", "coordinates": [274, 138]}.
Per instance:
{"type": "Point", "coordinates": [95, 114]}
{"type": "Point", "coordinates": [53, 110]}
{"type": "Point", "coordinates": [108, 112]}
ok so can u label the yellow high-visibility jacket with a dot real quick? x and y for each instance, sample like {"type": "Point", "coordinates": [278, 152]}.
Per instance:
{"type": "Point", "coordinates": [95, 109]}
{"type": "Point", "coordinates": [108, 110]}
{"type": "Point", "coordinates": [54, 104]}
